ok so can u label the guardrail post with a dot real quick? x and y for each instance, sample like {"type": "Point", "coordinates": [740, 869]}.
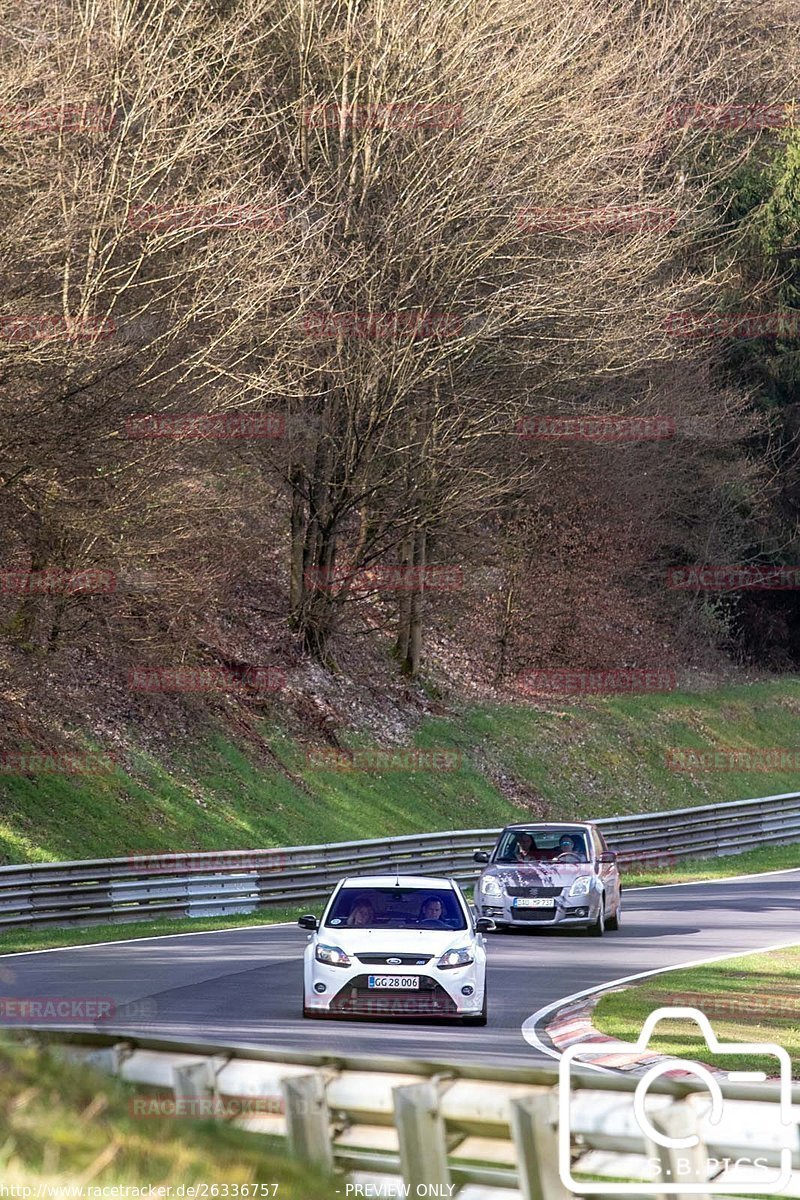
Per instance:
{"type": "Point", "coordinates": [684, 1165]}
{"type": "Point", "coordinates": [103, 1058]}
{"type": "Point", "coordinates": [308, 1124]}
{"type": "Point", "coordinates": [534, 1128]}
{"type": "Point", "coordinates": [193, 1081]}
{"type": "Point", "coordinates": [421, 1136]}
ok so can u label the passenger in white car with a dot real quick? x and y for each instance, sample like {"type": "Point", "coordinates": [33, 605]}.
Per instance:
{"type": "Point", "coordinates": [362, 916]}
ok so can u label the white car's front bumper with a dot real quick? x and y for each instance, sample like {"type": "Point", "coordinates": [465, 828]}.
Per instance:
{"type": "Point", "coordinates": [343, 991]}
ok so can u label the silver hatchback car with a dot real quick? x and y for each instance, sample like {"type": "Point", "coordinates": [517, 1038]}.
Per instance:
{"type": "Point", "coordinates": [550, 875]}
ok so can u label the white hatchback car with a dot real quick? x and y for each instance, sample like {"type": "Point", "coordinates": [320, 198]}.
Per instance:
{"type": "Point", "coordinates": [396, 946]}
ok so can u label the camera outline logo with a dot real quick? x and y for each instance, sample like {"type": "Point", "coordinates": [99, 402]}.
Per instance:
{"type": "Point", "coordinates": [585, 1051]}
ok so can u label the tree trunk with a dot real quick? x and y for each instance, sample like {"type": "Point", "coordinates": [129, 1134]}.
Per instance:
{"type": "Point", "coordinates": [404, 601]}
{"type": "Point", "coordinates": [298, 523]}
{"type": "Point", "coordinates": [409, 640]}
{"type": "Point", "coordinates": [318, 613]}
{"type": "Point", "coordinates": [415, 639]}
{"type": "Point", "coordinates": [57, 623]}
{"type": "Point", "coordinates": [506, 625]}
{"type": "Point", "coordinates": [22, 625]}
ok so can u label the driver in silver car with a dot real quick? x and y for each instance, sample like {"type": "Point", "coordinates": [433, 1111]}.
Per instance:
{"type": "Point", "coordinates": [570, 845]}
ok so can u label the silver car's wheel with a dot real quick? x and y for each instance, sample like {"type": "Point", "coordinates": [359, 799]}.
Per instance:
{"type": "Point", "coordinates": [599, 927]}
{"type": "Point", "coordinates": [613, 922]}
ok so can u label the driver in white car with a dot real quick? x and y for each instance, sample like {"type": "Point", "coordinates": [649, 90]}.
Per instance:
{"type": "Point", "coordinates": [432, 912]}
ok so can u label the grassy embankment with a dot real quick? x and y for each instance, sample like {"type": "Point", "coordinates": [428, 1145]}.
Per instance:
{"type": "Point", "coordinates": [602, 757]}
{"type": "Point", "coordinates": [64, 1125]}
{"type": "Point", "coordinates": [596, 758]}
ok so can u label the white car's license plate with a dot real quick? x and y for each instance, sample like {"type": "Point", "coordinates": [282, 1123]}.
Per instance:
{"type": "Point", "coordinates": [537, 902]}
{"type": "Point", "coordinates": [405, 982]}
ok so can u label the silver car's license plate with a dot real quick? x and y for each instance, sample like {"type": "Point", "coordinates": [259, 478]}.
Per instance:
{"type": "Point", "coordinates": [405, 982]}
{"type": "Point", "coordinates": [537, 902]}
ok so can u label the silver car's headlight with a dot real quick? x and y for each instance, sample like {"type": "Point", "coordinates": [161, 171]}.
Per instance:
{"type": "Point", "coordinates": [491, 886]}
{"type": "Point", "coordinates": [461, 957]}
{"type": "Point", "coordinates": [581, 886]}
{"type": "Point", "coordinates": [332, 956]}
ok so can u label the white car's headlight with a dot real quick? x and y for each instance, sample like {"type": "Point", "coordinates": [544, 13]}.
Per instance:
{"type": "Point", "coordinates": [461, 957]}
{"type": "Point", "coordinates": [581, 886]}
{"type": "Point", "coordinates": [332, 956]}
{"type": "Point", "coordinates": [491, 886]}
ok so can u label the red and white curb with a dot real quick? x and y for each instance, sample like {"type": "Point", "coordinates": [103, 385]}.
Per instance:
{"type": "Point", "coordinates": [572, 1026]}
{"type": "Point", "coordinates": [554, 1028]}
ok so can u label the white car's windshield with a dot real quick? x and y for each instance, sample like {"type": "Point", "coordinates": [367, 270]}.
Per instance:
{"type": "Point", "coordinates": [396, 908]}
{"type": "Point", "coordinates": [541, 845]}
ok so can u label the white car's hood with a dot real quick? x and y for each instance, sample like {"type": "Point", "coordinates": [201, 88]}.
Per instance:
{"type": "Point", "coordinates": [393, 941]}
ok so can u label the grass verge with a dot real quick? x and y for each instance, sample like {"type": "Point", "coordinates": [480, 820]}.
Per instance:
{"type": "Point", "coordinates": [20, 940]}
{"type": "Point", "coordinates": [752, 998]}
{"type": "Point", "coordinates": [601, 757]}
{"type": "Point", "coordinates": [695, 870]}
{"type": "Point", "coordinates": [61, 1124]}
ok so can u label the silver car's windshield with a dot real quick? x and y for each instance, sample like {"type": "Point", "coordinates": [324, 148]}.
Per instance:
{"type": "Point", "coordinates": [396, 908]}
{"type": "Point", "coordinates": [539, 845]}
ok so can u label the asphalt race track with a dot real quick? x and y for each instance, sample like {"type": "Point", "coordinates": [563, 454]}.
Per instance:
{"type": "Point", "coordinates": [243, 986]}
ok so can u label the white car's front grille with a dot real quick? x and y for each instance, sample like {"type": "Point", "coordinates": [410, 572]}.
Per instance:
{"type": "Point", "coordinates": [395, 960]}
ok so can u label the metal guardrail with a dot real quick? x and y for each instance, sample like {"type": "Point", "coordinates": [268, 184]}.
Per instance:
{"type": "Point", "coordinates": [240, 881]}
{"type": "Point", "coordinates": [472, 1131]}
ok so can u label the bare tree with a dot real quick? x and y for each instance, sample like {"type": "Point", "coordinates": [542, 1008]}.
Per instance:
{"type": "Point", "coordinates": [371, 218]}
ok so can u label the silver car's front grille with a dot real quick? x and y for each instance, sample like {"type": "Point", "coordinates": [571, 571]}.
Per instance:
{"type": "Point", "coordinates": [535, 892]}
